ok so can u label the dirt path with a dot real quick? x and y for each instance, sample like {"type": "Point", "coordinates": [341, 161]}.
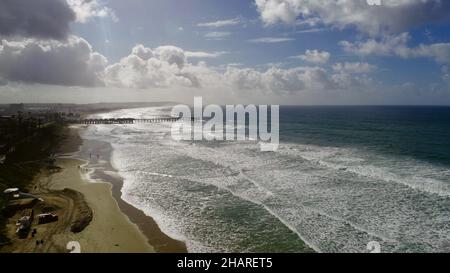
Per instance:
{"type": "Point", "coordinates": [100, 224]}
{"type": "Point", "coordinates": [60, 203]}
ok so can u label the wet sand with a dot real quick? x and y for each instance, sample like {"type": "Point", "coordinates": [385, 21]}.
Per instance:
{"type": "Point", "coordinates": [98, 158]}
{"type": "Point", "coordinates": [110, 230]}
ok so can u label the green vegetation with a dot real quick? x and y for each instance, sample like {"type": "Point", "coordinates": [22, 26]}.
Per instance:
{"type": "Point", "coordinates": [29, 146]}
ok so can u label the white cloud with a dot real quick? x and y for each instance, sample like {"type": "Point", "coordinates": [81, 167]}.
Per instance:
{"type": "Point", "coordinates": [168, 67]}
{"type": "Point", "coordinates": [74, 63]}
{"type": "Point", "coordinates": [347, 82]}
{"type": "Point", "coordinates": [87, 9]}
{"type": "Point", "coordinates": [391, 16]}
{"type": "Point", "coordinates": [398, 46]}
{"type": "Point", "coordinates": [221, 23]}
{"type": "Point", "coordinates": [171, 55]}
{"type": "Point", "coordinates": [203, 54]}
{"type": "Point", "coordinates": [311, 30]}
{"type": "Point", "coordinates": [142, 52]}
{"type": "Point", "coordinates": [70, 63]}
{"type": "Point", "coordinates": [355, 68]}
{"type": "Point", "coordinates": [270, 40]}
{"type": "Point", "coordinates": [314, 56]}
{"type": "Point", "coordinates": [145, 68]}
{"type": "Point", "coordinates": [291, 80]}
{"type": "Point", "coordinates": [217, 35]}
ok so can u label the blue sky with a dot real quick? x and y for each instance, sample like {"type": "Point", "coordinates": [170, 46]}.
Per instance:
{"type": "Point", "coordinates": [154, 23]}
{"type": "Point", "coordinates": [286, 51]}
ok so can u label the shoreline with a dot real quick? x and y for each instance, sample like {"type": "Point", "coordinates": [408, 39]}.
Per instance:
{"type": "Point", "coordinates": [97, 157]}
{"type": "Point", "coordinates": [87, 212]}
{"type": "Point", "coordinates": [110, 231]}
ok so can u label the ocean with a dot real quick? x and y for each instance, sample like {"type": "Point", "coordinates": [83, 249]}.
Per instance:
{"type": "Point", "coordinates": [341, 178]}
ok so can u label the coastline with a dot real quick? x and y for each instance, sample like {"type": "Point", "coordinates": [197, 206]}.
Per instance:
{"type": "Point", "coordinates": [87, 212]}
{"type": "Point", "coordinates": [110, 230]}
{"type": "Point", "coordinates": [96, 156]}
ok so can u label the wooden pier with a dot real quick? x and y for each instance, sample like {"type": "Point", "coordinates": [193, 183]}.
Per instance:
{"type": "Point", "coordinates": [133, 120]}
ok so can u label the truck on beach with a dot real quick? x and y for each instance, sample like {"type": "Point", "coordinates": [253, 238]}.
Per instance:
{"type": "Point", "coordinates": [24, 223]}
{"type": "Point", "coordinates": [47, 218]}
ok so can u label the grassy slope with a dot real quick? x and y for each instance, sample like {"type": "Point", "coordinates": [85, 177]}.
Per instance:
{"type": "Point", "coordinates": [32, 148]}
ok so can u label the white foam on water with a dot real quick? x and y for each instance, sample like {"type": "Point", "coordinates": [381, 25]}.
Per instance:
{"type": "Point", "coordinates": [351, 161]}
{"type": "Point", "coordinates": [335, 199]}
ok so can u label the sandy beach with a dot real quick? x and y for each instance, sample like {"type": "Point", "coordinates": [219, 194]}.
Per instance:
{"type": "Point", "coordinates": [97, 168]}
{"type": "Point", "coordinates": [76, 192]}
{"type": "Point", "coordinates": [116, 226]}
{"type": "Point", "coordinates": [110, 230]}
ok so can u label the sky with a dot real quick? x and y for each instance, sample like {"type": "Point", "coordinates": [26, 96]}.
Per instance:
{"type": "Point", "coordinates": [301, 52]}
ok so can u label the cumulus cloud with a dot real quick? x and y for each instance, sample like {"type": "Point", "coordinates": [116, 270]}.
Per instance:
{"type": "Point", "coordinates": [299, 79]}
{"type": "Point", "coordinates": [391, 16]}
{"type": "Point", "coordinates": [74, 63]}
{"type": "Point", "coordinates": [314, 56]}
{"type": "Point", "coordinates": [145, 68]}
{"type": "Point", "coordinates": [69, 63]}
{"type": "Point", "coordinates": [355, 68]}
{"type": "Point", "coordinates": [167, 66]}
{"type": "Point", "coordinates": [142, 52]}
{"type": "Point", "coordinates": [220, 23]}
{"type": "Point", "coordinates": [347, 81]}
{"type": "Point", "coordinates": [171, 55]}
{"type": "Point", "coordinates": [87, 9]}
{"type": "Point", "coordinates": [270, 40]}
{"type": "Point", "coordinates": [48, 19]}
{"type": "Point", "coordinates": [398, 46]}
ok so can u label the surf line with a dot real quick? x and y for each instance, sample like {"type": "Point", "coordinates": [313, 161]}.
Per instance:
{"type": "Point", "coordinates": [238, 120]}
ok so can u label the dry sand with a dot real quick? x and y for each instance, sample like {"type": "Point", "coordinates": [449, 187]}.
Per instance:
{"type": "Point", "coordinates": [116, 226]}
{"type": "Point", "coordinates": [110, 230]}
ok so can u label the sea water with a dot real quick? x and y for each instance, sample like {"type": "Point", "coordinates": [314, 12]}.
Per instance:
{"type": "Point", "coordinates": [341, 178]}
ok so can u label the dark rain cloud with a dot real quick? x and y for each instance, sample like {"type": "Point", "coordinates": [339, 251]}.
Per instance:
{"type": "Point", "coordinates": [67, 63]}
{"type": "Point", "coordinates": [45, 19]}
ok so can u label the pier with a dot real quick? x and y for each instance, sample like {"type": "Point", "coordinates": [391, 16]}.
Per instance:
{"type": "Point", "coordinates": [132, 120]}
